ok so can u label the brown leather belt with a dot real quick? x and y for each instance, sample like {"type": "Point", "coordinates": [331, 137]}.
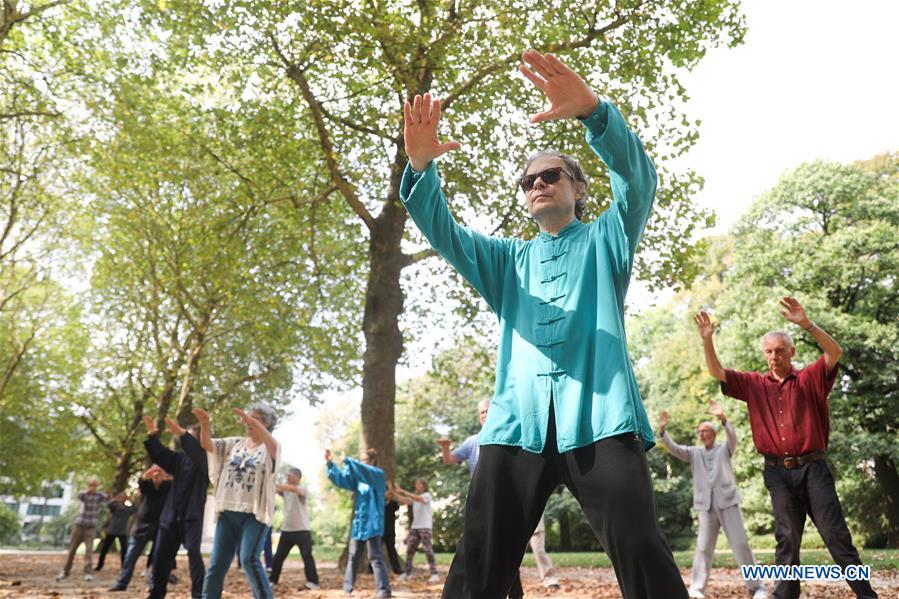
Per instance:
{"type": "Point", "coordinates": [795, 461]}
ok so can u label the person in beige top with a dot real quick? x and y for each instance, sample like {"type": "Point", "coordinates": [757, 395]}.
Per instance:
{"type": "Point", "coordinates": [243, 473]}
{"type": "Point", "coordinates": [716, 499]}
{"type": "Point", "coordinates": [295, 529]}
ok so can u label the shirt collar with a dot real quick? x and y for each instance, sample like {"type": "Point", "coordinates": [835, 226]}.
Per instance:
{"type": "Point", "coordinates": [770, 375]}
{"type": "Point", "coordinates": [566, 230]}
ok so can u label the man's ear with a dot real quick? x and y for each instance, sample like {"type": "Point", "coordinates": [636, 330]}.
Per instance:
{"type": "Point", "coordinates": [580, 189]}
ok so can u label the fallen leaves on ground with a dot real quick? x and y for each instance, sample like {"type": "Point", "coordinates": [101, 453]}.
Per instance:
{"type": "Point", "coordinates": [31, 575]}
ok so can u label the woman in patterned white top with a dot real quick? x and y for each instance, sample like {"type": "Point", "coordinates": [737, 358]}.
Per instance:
{"type": "Point", "coordinates": [243, 473]}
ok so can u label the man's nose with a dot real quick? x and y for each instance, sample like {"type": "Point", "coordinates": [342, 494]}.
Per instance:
{"type": "Point", "coordinates": [539, 183]}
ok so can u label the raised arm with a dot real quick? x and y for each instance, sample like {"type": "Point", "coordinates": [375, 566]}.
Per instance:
{"type": "Point", "coordinates": [718, 412]}
{"type": "Point", "coordinates": [795, 313]}
{"type": "Point", "coordinates": [342, 477]}
{"type": "Point", "coordinates": [632, 174]}
{"type": "Point", "coordinates": [205, 432]}
{"type": "Point", "coordinates": [400, 495]}
{"type": "Point", "coordinates": [448, 458]}
{"type": "Point", "coordinates": [193, 450]}
{"type": "Point", "coordinates": [295, 489]}
{"type": "Point", "coordinates": [259, 428]}
{"type": "Point", "coordinates": [678, 451]}
{"type": "Point", "coordinates": [407, 495]}
{"type": "Point", "coordinates": [479, 258]}
{"type": "Point", "coordinates": [159, 453]}
{"type": "Point", "coordinates": [706, 332]}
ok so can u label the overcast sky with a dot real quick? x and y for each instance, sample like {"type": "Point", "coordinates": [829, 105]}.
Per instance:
{"type": "Point", "coordinates": [814, 79]}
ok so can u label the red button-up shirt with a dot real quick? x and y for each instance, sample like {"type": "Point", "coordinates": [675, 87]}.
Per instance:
{"type": "Point", "coordinates": [789, 417]}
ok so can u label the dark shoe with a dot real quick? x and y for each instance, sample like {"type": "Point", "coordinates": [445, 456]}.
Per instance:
{"type": "Point", "coordinates": [116, 589]}
{"type": "Point", "coordinates": [173, 579]}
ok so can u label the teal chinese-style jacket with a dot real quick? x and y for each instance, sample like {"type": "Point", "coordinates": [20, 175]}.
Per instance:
{"type": "Point", "coordinates": [559, 300]}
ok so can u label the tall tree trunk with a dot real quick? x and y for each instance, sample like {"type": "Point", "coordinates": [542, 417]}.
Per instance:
{"type": "Point", "coordinates": [122, 470]}
{"type": "Point", "coordinates": [885, 472]}
{"type": "Point", "coordinates": [380, 325]}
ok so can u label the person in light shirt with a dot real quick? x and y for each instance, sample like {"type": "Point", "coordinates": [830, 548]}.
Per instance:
{"type": "Point", "coordinates": [422, 526]}
{"type": "Point", "coordinates": [295, 529]}
{"type": "Point", "coordinates": [716, 499]}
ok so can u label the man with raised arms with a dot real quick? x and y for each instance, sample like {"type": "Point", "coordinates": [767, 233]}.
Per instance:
{"type": "Point", "coordinates": [566, 407]}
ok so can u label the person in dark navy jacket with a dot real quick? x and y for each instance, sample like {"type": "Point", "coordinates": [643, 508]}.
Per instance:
{"type": "Point", "coordinates": [181, 522]}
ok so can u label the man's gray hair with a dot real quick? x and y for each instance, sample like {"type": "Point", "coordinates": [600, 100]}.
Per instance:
{"type": "Point", "coordinates": [783, 335]}
{"type": "Point", "coordinates": [296, 472]}
{"type": "Point", "coordinates": [93, 479]}
{"type": "Point", "coordinates": [574, 170]}
{"type": "Point", "coordinates": [708, 424]}
{"type": "Point", "coordinates": [265, 414]}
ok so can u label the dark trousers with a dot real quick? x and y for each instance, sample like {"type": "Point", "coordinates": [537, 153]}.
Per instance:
{"type": "Point", "coordinates": [136, 546]}
{"type": "Point", "coordinates": [516, 591]}
{"type": "Point", "coordinates": [289, 540]}
{"type": "Point", "coordinates": [393, 558]}
{"type": "Point", "coordinates": [168, 540]}
{"type": "Point", "coordinates": [509, 490]}
{"type": "Point", "coordinates": [106, 545]}
{"type": "Point", "coordinates": [809, 490]}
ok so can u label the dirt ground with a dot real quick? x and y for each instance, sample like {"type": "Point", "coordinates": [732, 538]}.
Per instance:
{"type": "Point", "coordinates": [31, 575]}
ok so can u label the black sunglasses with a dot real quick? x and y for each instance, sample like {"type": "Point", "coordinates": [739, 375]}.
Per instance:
{"type": "Point", "coordinates": [549, 176]}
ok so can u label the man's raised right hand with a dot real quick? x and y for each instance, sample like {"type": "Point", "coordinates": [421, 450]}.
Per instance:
{"type": "Point", "coordinates": [421, 118]}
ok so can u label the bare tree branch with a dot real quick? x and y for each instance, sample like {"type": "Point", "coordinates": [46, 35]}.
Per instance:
{"type": "Point", "coordinates": [592, 34]}
{"type": "Point", "coordinates": [346, 188]}
{"type": "Point", "coordinates": [410, 259]}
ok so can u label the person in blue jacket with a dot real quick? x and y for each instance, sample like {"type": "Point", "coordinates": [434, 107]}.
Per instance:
{"type": "Point", "coordinates": [369, 486]}
{"type": "Point", "coordinates": [566, 407]}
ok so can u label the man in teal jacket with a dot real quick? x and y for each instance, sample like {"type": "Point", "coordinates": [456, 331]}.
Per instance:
{"type": "Point", "coordinates": [369, 486]}
{"type": "Point", "coordinates": [566, 406]}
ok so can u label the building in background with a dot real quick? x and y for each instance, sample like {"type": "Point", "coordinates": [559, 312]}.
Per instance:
{"type": "Point", "coordinates": [36, 511]}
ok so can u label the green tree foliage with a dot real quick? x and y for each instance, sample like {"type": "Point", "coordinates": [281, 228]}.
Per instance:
{"type": "Point", "coordinates": [41, 340]}
{"type": "Point", "coordinates": [9, 526]}
{"type": "Point", "coordinates": [199, 280]}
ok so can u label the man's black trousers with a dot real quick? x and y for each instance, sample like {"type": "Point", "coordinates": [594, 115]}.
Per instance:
{"type": "Point", "coordinates": [810, 490]}
{"type": "Point", "coordinates": [188, 533]}
{"type": "Point", "coordinates": [509, 490]}
{"type": "Point", "coordinates": [298, 538]}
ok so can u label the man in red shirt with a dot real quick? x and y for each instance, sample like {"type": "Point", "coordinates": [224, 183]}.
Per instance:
{"type": "Point", "coordinates": [790, 425]}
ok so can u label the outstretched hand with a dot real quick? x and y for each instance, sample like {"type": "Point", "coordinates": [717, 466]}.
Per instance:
{"type": "Point", "coordinates": [663, 421]}
{"type": "Point", "coordinates": [248, 420]}
{"type": "Point", "coordinates": [716, 410]}
{"type": "Point", "coordinates": [569, 96]}
{"type": "Point", "coordinates": [176, 428]}
{"type": "Point", "coordinates": [151, 426]}
{"type": "Point", "coordinates": [794, 312]}
{"type": "Point", "coordinates": [704, 324]}
{"type": "Point", "coordinates": [202, 416]}
{"type": "Point", "coordinates": [421, 119]}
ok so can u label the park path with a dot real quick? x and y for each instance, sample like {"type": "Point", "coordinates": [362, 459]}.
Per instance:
{"type": "Point", "coordinates": [31, 575]}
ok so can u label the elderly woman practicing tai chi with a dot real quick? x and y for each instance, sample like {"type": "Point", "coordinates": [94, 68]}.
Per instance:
{"type": "Point", "coordinates": [243, 472]}
{"type": "Point", "coordinates": [566, 407]}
